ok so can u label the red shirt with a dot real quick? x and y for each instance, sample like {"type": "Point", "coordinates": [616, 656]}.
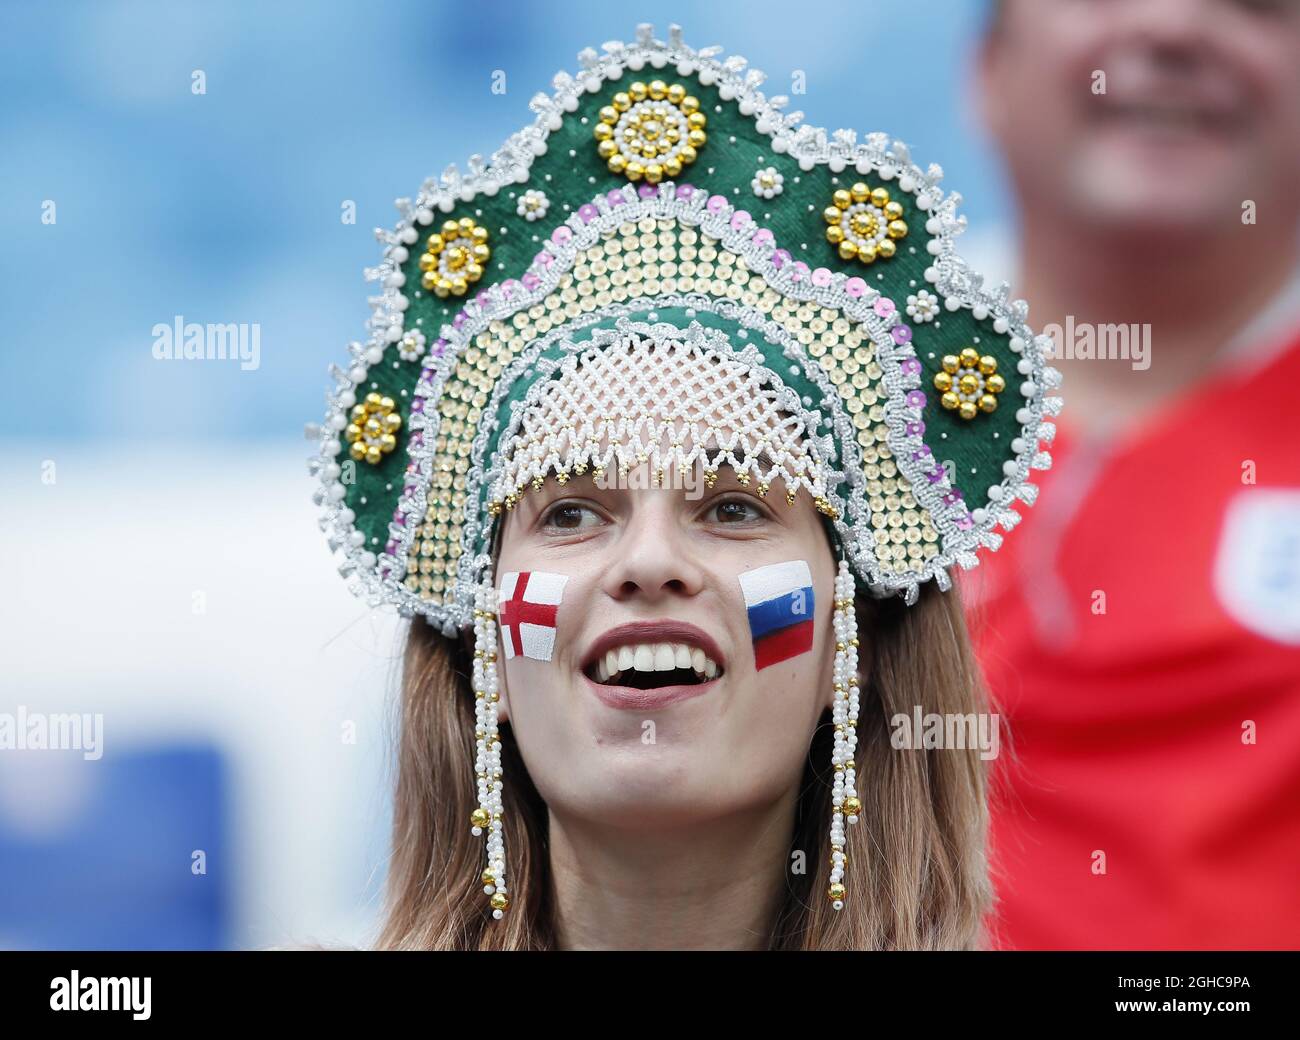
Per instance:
{"type": "Point", "coordinates": [1143, 615]}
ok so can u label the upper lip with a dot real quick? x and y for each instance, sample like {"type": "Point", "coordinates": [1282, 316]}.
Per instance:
{"type": "Point", "coordinates": [665, 630]}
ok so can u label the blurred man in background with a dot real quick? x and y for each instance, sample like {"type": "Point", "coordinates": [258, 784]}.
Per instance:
{"type": "Point", "coordinates": [1141, 635]}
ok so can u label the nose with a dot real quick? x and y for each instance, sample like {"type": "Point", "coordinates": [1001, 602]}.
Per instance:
{"type": "Point", "coordinates": [653, 559]}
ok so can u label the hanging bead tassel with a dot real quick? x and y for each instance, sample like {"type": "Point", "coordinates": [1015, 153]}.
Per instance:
{"type": "Point", "coordinates": [487, 757]}
{"type": "Point", "coordinates": [844, 714]}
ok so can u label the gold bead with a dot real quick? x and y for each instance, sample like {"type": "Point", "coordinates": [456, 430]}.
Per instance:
{"type": "Point", "coordinates": [950, 400]}
{"type": "Point", "coordinates": [880, 198]}
{"type": "Point", "coordinates": [480, 818]}
{"type": "Point", "coordinates": [858, 193]}
{"type": "Point", "coordinates": [969, 358]}
{"type": "Point", "coordinates": [842, 200]}
{"type": "Point", "coordinates": [942, 381]}
{"type": "Point", "coordinates": [852, 806]}
{"type": "Point", "coordinates": [638, 91]}
{"type": "Point", "coordinates": [658, 89]}
{"type": "Point", "coordinates": [988, 403]}
{"type": "Point", "coordinates": [500, 901]}
{"type": "Point", "coordinates": [836, 892]}
{"type": "Point", "coordinates": [967, 410]}
{"type": "Point", "coordinates": [951, 363]}
{"type": "Point", "coordinates": [886, 248]}
{"type": "Point", "coordinates": [995, 384]}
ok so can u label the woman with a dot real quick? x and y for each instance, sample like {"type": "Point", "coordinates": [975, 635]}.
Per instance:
{"type": "Point", "coordinates": [647, 469]}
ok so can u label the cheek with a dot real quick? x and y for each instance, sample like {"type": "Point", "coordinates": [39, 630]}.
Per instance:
{"type": "Point", "coordinates": [780, 605]}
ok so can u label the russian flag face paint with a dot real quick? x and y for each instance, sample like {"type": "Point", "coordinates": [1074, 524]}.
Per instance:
{"type": "Point", "coordinates": [529, 601]}
{"type": "Point", "coordinates": [779, 600]}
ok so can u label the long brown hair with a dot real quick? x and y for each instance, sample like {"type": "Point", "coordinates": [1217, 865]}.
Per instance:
{"type": "Point", "coordinates": [917, 874]}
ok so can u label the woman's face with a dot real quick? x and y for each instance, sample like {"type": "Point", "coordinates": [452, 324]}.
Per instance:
{"type": "Point", "coordinates": [656, 746]}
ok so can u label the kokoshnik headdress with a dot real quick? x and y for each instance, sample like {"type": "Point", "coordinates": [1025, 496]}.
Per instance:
{"type": "Point", "coordinates": [824, 334]}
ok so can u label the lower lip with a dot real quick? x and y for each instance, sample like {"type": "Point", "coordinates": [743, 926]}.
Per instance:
{"type": "Point", "coordinates": [628, 698]}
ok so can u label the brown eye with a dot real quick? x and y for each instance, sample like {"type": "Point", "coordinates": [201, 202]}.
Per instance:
{"type": "Point", "coordinates": [570, 516]}
{"type": "Point", "coordinates": [734, 510]}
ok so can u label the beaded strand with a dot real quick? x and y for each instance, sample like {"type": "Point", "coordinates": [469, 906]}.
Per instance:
{"type": "Point", "coordinates": [487, 756]}
{"type": "Point", "coordinates": [844, 714]}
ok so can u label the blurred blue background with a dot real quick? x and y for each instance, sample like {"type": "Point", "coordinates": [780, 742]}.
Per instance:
{"type": "Point", "coordinates": [159, 543]}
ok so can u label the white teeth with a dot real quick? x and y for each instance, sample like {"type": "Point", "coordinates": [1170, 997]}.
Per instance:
{"type": "Point", "coordinates": [654, 657]}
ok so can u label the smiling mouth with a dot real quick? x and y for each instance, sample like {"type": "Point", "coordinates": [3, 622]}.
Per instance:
{"type": "Point", "coordinates": [1165, 116]}
{"type": "Point", "coordinates": [649, 666]}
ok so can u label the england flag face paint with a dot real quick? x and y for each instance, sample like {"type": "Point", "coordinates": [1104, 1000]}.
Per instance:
{"type": "Point", "coordinates": [779, 601]}
{"type": "Point", "coordinates": [528, 604]}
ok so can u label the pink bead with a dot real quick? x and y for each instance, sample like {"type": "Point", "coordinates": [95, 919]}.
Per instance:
{"type": "Point", "coordinates": [685, 191]}
{"type": "Point", "coordinates": [717, 203]}
{"type": "Point", "coordinates": [614, 197]}
{"type": "Point", "coordinates": [543, 259]}
{"type": "Point", "coordinates": [763, 237]}
{"type": "Point", "coordinates": [588, 213]}
{"type": "Point", "coordinates": [561, 235]}
{"type": "Point", "coordinates": [531, 281]}
{"type": "Point", "coordinates": [821, 276]}
{"type": "Point", "coordinates": [800, 270]}
{"type": "Point", "coordinates": [647, 191]}
{"type": "Point", "coordinates": [884, 307]}
{"type": "Point", "coordinates": [780, 258]}
{"type": "Point", "coordinates": [740, 219]}
{"type": "Point", "coordinates": [855, 287]}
